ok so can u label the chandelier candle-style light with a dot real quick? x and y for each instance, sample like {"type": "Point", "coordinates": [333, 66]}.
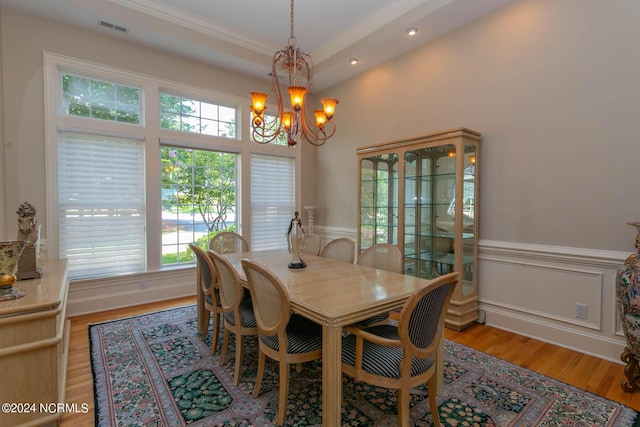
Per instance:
{"type": "Point", "coordinates": [297, 64]}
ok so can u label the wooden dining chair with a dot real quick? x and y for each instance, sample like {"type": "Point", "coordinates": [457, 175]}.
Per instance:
{"type": "Point", "coordinates": [228, 242]}
{"type": "Point", "coordinates": [311, 244]}
{"type": "Point", "coordinates": [342, 249]}
{"type": "Point", "coordinates": [237, 311]}
{"type": "Point", "coordinates": [282, 336]}
{"type": "Point", "coordinates": [383, 256]}
{"type": "Point", "coordinates": [208, 286]}
{"type": "Point", "coordinates": [404, 356]}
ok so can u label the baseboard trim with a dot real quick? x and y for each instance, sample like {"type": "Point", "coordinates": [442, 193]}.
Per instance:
{"type": "Point", "coordinates": [607, 348]}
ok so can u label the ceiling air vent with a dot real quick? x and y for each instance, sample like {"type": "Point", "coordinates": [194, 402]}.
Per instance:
{"type": "Point", "coordinates": [112, 26]}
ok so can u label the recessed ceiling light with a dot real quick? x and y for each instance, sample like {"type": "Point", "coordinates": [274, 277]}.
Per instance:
{"type": "Point", "coordinates": [353, 61]}
{"type": "Point", "coordinates": [412, 31]}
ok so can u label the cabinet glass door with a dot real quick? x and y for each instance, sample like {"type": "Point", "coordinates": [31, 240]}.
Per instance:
{"type": "Point", "coordinates": [469, 219]}
{"type": "Point", "coordinates": [378, 200]}
{"type": "Point", "coordinates": [429, 216]}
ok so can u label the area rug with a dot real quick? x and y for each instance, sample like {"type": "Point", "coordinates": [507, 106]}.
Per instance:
{"type": "Point", "coordinates": [154, 370]}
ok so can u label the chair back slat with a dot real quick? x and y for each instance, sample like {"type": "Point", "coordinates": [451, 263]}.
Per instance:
{"type": "Point", "coordinates": [422, 318]}
{"type": "Point", "coordinates": [341, 249]}
{"type": "Point", "coordinates": [206, 267]}
{"type": "Point", "coordinates": [228, 242]}
{"type": "Point", "coordinates": [423, 323]}
{"type": "Point", "coordinates": [271, 302]}
{"type": "Point", "coordinates": [383, 256]}
{"type": "Point", "coordinates": [231, 290]}
{"type": "Point", "coordinates": [311, 244]}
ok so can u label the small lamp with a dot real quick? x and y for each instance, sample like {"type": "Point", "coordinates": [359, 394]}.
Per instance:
{"type": "Point", "coordinates": [297, 94]}
{"type": "Point", "coordinates": [258, 102]}
{"type": "Point", "coordinates": [329, 105]}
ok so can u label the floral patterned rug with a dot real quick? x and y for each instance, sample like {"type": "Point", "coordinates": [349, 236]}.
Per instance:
{"type": "Point", "coordinates": [154, 370]}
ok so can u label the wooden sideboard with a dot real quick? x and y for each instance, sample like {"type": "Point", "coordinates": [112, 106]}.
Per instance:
{"type": "Point", "coordinates": [34, 338]}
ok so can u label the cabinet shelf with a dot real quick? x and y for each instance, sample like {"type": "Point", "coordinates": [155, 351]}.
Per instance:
{"type": "Point", "coordinates": [444, 258]}
{"type": "Point", "coordinates": [421, 194]}
{"type": "Point", "coordinates": [438, 234]}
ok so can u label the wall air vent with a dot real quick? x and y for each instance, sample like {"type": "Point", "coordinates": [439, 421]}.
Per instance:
{"type": "Point", "coordinates": [113, 26]}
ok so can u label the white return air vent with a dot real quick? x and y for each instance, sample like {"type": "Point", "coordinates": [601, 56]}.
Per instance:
{"type": "Point", "coordinates": [113, 26]}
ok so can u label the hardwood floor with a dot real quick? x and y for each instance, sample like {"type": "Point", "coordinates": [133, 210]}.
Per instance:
{"type": "Point", "coordinates": [587, 372]}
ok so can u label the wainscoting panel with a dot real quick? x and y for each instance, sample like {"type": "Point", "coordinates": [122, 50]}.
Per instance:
{"type": "Point", "coordinates": [542, 290]}
{"type": "Point", "coordinates": [534, 290]}
{"type": "Point", "coordinates": [88, 296]}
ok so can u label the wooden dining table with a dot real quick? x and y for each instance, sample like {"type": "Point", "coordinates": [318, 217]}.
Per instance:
{"type": "Point", "coordinates": [335, 294]}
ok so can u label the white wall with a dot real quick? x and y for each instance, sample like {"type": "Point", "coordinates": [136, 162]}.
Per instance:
{"type": "Point", "coordinates": [553, 87]}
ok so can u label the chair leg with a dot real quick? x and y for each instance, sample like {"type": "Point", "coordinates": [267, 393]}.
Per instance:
{"type": "Point", "coordinates": [216, 331]}
{"type": "Point", "coordinates": [284, 392]}
{"type": "Point", "coordinates": [403, 407]}
{"type": "Point", "coordinates": [225, 345]}
{"type": "Point", "coordinates": [204, 324]}
{"type": "Point", "coordinates": [435, 416]}
{"type": "Point", "coordinates": [261, 360]}
{"type": "Point", "coordinates": [236, 371]}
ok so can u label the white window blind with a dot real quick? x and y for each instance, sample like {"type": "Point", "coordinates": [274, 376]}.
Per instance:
{"type": "Point", "coordinates": [272, 200]}
{"type": "Point", "coordinates": [101, 204]}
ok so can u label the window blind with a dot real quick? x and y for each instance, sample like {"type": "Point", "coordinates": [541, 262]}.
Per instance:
{"type": "Point", "coordinates": [101, 193]}
{"type": "Point", "coordinates": [272, 200]}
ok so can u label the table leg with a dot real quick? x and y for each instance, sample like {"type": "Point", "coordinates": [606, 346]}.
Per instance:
{"type": "Point", "coordinates": [331, 375]}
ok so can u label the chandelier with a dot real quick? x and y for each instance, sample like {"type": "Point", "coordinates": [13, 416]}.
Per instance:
{"type": "Point", "coordinates": [296, 66]}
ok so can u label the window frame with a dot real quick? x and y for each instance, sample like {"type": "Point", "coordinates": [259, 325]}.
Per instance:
{"type": "Point", "coordinates": [235, 184]}
{"type": "Point", "coordinates": [208, 99]}
{"type": "Point", "coordinates": [149, 130]}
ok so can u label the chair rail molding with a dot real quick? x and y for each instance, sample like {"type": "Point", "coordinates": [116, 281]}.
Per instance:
{"type": "Point", "coordinates": [330, 233]}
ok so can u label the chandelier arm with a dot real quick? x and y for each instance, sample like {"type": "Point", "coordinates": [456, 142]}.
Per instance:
{"type": "Point", "coordinates": [277, 58]}
{"type": "Point", "coordinates": [262, 133]}
{"type": "Point", "coordinates": [305, 63]}
{"type": "Point", "coordinates": [317, 136]}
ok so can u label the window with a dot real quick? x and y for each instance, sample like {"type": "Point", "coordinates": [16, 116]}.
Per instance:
{"type": "Point", "coordinates": [100, 100]}
{"type": "Point", "coordinates": [270, 124]}
{"type": "Point", "coordinates": [101, 204]}
{"type": "Point", "coordinates": [198, 199]}
{"type": "Point", "coordinates": [139, 166]}
{"type": "Point", "coordinates": [272, 200]}
{"type": "Point", "coordinates": [189, 115]}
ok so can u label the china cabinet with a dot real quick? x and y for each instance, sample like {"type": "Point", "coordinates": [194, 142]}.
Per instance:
{"type": "Point", "coordinates": [422, 195]}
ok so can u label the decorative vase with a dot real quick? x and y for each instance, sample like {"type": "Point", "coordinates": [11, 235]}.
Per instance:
{"type": "Point", "coordinates": [9, 255]}
{"type": "Point", "coordinates": [628, 297]}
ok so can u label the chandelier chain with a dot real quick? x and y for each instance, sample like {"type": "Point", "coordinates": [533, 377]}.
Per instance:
{"type": "Point", "coordinates": [291, 21]}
